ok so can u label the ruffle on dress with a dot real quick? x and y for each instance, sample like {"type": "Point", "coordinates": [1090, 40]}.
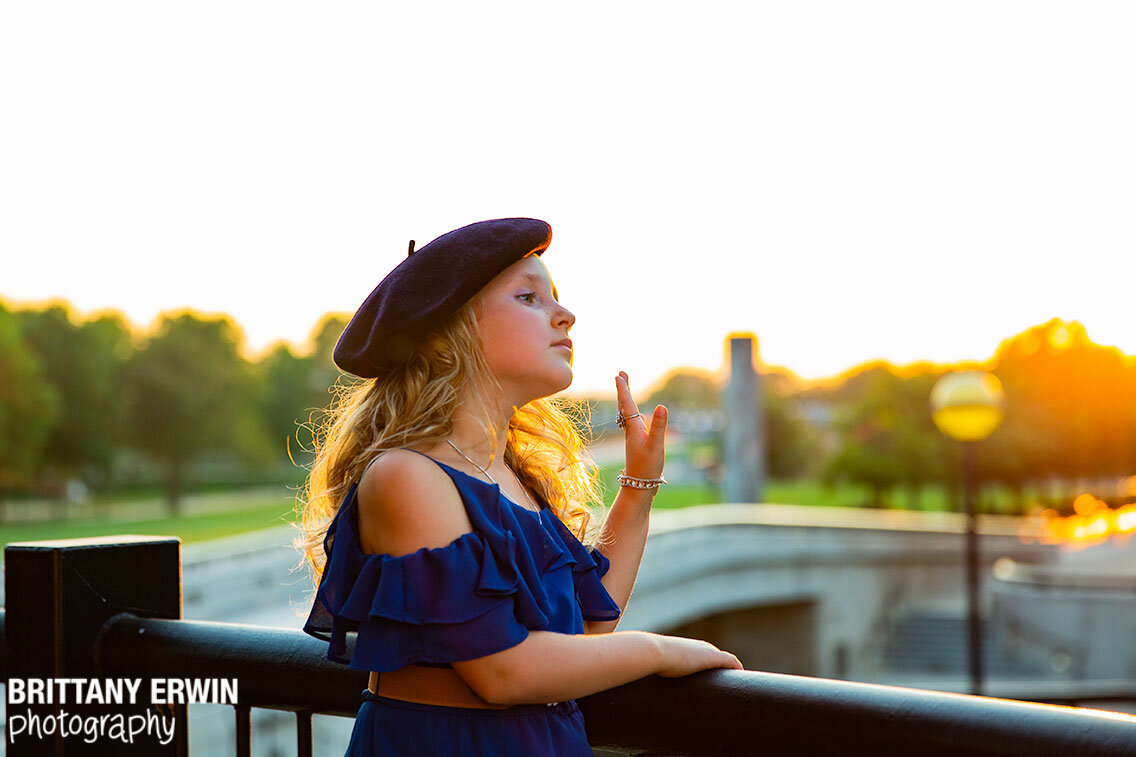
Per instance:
{"type": "Point", "coordinates": [480, 594]}
{"type": "Point", "coordinates": [588, 567]}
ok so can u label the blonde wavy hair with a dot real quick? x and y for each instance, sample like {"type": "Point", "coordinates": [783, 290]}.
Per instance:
{"type": "Point", "coordinates": [414, 403]}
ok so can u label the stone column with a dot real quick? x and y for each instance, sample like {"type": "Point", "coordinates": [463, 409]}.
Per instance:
{"type": "Point", "coordinates": [743, 443]}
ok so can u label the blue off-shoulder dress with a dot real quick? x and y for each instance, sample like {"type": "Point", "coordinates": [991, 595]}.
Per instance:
{"type": "Point", "coordinates": [518, 571]}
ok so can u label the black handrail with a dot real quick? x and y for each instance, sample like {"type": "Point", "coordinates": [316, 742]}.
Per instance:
{"type": "Point", "coordinates": [276, 668]}
{"type": "Point", "coordinates": [112, 607]}
{"type": "Point", "coordinates": [713, 713]}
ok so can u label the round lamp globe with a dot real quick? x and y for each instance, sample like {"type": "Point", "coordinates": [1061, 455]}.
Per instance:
{"type": "Point", "coordinates": [967, 405]}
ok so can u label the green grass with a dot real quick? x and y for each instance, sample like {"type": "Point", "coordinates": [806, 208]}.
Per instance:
{"type": "Point", "coordinates": [247, 513]}
{"type": "Point", "coordinates": [812, 493]}
{"type": "Point", "coordinates": [244, 510]}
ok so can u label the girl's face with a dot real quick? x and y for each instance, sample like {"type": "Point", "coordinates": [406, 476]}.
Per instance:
{"type": "Point", "coordinates": [521, 319]}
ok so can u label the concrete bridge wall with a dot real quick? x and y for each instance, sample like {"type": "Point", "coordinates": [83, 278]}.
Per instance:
{"type": "Point", "coordinates": [805, 590]}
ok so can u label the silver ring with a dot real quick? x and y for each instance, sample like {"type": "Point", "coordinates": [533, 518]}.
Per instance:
{"type": "Point", "coordinates": [621, 419]}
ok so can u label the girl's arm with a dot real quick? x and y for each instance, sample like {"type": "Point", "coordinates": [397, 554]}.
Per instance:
{"type": "Point", "coordinates": [554, 667]}
{"type": "Point", "coordinates": [626, 525]}
{"type": "Point", "coordinates": [628, 519]}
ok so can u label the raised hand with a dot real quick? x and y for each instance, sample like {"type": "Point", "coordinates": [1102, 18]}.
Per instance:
{"type": "Point", "coordinates": [643, 444]}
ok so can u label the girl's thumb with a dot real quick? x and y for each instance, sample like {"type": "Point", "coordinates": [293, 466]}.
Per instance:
{"type": "Point", "coordinates": [660, 416]}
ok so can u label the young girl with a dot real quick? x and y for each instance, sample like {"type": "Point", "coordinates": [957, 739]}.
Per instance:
{"type": "Point", "coordinates": [448, 510]}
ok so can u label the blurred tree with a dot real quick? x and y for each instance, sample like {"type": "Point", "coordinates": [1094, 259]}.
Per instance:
{"type": "Point", "coordinates": [323, 375]}
{"type": "Point", "coordinates": [286, 399]}
{"type": "Point", "coordinates": [685, 389]}
{"type": "Point", "coordinates": [792, 447]}
{"type": "Point", "coordinates": [29, 406]}
{"type": "Point", "coordinates": [324, 372]}
{"type": "Point", "coordinates": [1071, 406]}
{"type": "Point", "coordinates": [191, 392]}
{"type": "Point", "coordinates": [84, 363]}
{"type": "Point", "coordinates": [868, 454]}
{"type": "Point", "coordinates": [889, 439]}
{"type": "Point", "coordinates": [924, 454]}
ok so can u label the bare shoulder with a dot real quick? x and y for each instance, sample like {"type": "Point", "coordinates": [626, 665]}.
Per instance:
{"type": "Point", "coordinates": [406, 502]}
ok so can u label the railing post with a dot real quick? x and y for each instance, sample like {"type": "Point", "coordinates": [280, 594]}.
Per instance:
{"type": "Point", "coordinates": [59, 594]}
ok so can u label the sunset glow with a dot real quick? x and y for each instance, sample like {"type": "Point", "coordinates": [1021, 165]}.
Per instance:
{"type": "Point", "coordinates": [1092, 521]}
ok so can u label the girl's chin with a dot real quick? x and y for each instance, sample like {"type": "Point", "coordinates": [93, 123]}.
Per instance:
{"type": "Point", "coordinates": [564, 384]}
{"type": "Point", "coordinates": [549, 386]}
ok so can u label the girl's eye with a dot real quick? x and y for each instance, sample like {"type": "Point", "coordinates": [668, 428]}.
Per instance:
{"type": "Point", "coordinates": [529, 294]}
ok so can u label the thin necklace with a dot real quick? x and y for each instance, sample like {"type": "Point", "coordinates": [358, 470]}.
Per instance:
{"type": "Point", "coordinates": [491, 477]}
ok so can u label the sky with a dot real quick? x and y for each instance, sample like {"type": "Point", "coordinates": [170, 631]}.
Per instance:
{"type": "Point", "coordinates": [846, 181]}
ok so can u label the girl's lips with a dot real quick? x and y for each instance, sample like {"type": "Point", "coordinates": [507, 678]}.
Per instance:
{"type": "Point", "coordinates": [562, 347]}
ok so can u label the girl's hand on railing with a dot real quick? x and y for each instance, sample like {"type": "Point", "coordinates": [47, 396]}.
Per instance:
{"type": "Point", "coordinates": [643, 444]}
{"type": "Point", "coordinates": [683, 656]}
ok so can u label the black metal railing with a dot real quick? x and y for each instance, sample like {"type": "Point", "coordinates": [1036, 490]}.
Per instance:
{"type": "Point", "coordinates": [102, 617]}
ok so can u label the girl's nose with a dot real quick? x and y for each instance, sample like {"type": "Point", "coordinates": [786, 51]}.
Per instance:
{"type": "Point", "coordinates": [565, 316]}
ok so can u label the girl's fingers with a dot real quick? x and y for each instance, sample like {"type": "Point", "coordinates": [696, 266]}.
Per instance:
{"type": "Point", "coordinates": [651, 430]}
{"type": "Point", "coordinates": [626, 404]}
{"type": "Point", "coordinates": [659, 424]}
{"type": "Point", "coordinates": [657, 431]}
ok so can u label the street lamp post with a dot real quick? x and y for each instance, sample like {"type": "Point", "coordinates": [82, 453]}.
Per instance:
{"type": "Point", "coordinates": [967, 406]}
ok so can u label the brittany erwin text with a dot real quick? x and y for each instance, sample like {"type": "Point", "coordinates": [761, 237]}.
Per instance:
{"type": "Point", "coordinates": [112, 726]}
{"type": "Point", "coordinates": [121, 691]}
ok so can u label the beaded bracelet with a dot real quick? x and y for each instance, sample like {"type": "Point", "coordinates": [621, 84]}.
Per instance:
{"type": "Point", "coordinates": [639, 483]}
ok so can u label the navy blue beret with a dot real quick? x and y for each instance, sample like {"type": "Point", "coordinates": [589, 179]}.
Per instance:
{"type": "Point", "coordinates": [429, 286]}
